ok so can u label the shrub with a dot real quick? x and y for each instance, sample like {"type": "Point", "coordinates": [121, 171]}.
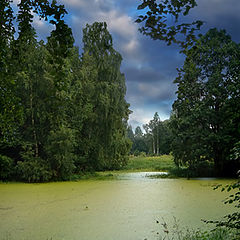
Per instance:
{"type": "Point", "coordinates": [33, 171]}
{"type": "Point", "coordinates": [60, 153]}
{"type": "Point", "coordinates": [6, 167]}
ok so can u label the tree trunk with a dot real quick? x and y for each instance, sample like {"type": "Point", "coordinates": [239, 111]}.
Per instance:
{"type": "Point", "coordinates": [154, 146]}
{"type": "Point", "coordinates": [157, 142]}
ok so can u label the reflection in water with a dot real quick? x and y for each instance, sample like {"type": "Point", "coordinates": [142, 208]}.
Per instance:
{"type": "Point", "coordinates": [127, 208]}
{"type": "Point", "coordinates": [139, 175]}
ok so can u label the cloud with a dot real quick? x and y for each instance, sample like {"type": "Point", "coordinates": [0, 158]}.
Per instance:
{"type": "Point", "coordinates": [148, 91]}
{"type": "Point", "coordinates": [139, 117]}
{"type": "Point", "coordinates": [143, 114]}
{"type": "Point", "coordinates": [157, 91]}
{"type": "Point", "coordinates": [221, 14]}
{"type": "Point", "coordinates": [43, 28]}
{"type": "Point", "coordinates": [120, 25]}
{"type": "Point", "coordinates": [149, 83]}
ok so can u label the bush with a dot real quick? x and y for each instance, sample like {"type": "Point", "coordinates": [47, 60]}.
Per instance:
{"type": "Point", "coordinates": [60, 153]}
{"type": "Point", "coordinates": [6, 167]}
{"type": "Point", "coordinates": [33, 171]}
{"type": "Point", "coordinates": [201, 169]}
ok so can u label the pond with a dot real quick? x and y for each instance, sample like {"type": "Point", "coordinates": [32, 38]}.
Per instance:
{"type": "Point", "coordinates": [122, 209]}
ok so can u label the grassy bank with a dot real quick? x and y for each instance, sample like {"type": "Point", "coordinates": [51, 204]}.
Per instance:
{"type": "Point", "coordinates": [163, 163]}
{"type": "Point", "coordinates": [160, 163]}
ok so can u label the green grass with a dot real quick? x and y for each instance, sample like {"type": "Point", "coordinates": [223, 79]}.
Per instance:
{"type": "Point", "coordinates": [160, 163]}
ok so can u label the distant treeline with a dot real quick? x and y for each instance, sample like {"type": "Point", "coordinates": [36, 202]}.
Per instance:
{"type": "Point", "coordinates": [60, 113]}
{"type": "Point", "coordinates": [156, 140]}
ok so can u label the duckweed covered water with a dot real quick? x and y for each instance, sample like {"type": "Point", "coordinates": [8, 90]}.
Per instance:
{"type": "Point", "coordinates": [126, 208]}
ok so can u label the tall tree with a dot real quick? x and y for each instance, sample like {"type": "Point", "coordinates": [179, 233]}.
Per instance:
{"type": "Point", "coordinates": [25, 58]}
{"type": "Point", "coordinates": [10, 111]}
{"type": "Point", "coordinates": [110, 109]}
{"type": "Point", "coordinates": [152, 129]}
{"type": "Point", "coordinates": [206, 115]}
{"type": "Point", "coordinates": [43, 80]}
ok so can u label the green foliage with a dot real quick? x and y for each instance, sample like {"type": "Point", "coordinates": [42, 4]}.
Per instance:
{"type": "Point", "coordinates": [157, 23]}
{"type": "Point", "coordinates": [205, 115]}
{"type": "Point", "coordinates": [105, 145]}
{"type": "Point", "coordinates": [60, 113]}
{"type": "Point", "coordinates": [60, 153]}
{"type": "Point", "coordinates": [235, 153]}
{"type": "Point", "coordinates": [10, 110]}
{"type": "Point", "coordinates": [32, 171]}
{"type": "Point", "coordinates": [178, 232]}
{"type": "Point", "coordinates": [6, 167]}
{"type": "Point", "coordinates": [6, 30]}
{"type": "Point", "coordinates": [230, 221]}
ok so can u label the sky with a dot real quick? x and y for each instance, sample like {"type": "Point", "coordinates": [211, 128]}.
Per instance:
{"type": "Point", "coordinates": [149, 66]}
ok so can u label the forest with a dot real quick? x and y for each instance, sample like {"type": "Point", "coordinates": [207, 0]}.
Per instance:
{"type": "Point", "coordinates": [60, 112]}
{"type": "Point", "coordinates": [63, 113]}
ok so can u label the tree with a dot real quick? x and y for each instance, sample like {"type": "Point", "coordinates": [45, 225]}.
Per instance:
{"type": "Point", "coordinates": [139, 146]}
{"type": "Point", "coordinates": [165, 137]}
{"type": "Point", "coordinates": [152, 129]}
{"type": "Point", "coordinates": [39, 83]}
{"type": "Point", "coordinates": [6, 32]}
{"type": "Point", "coordinates": [60, 153]}
{"type": "Point", "coordinates": [60, 113]}
{"type": "Point", "coordinates": [205, 120]}
{"type": "Point", "coordinates": [25, 50]}
{"type": "Point", "coordinates": [130, 133]}
{"type": "Point", "coordinates": [10, 111]}
{"type": "Point", "coordinates": [158, 24]}
{"type": "Point", "coordinates": [105, 127]}
{"type": "Point", "coordinates": [156, 139]}
{"type": "Point", "coordinates": [138, 132]}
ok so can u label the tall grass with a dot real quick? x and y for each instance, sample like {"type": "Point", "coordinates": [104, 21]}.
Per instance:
{"type": "Point", "coordinates": [218, 234]}
{"type": "Point", "coordinates": [177, 232]}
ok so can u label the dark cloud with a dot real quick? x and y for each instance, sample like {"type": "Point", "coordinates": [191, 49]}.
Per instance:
{"type": "Point", "coordinates": [143, 75]}
{"type": "Point", "coordinates": [221, 14]}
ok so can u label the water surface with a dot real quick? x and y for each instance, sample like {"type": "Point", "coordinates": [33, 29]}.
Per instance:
{"type": "Point", "coordinates": [126, 208]}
